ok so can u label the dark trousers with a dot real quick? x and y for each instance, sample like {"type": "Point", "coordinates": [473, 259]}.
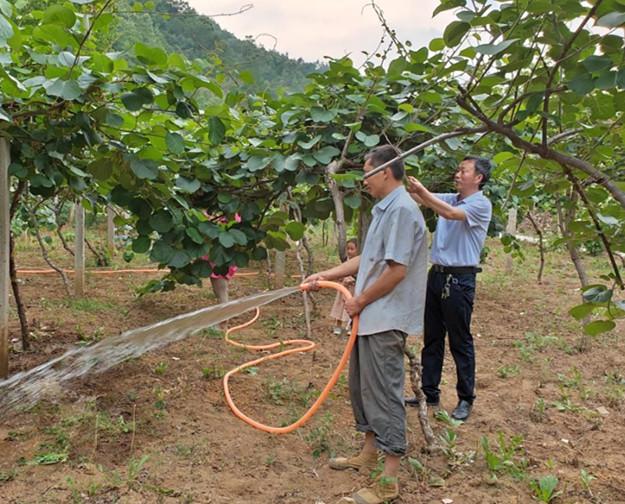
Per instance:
{"type": "Point", "coordinates": [448, 309]}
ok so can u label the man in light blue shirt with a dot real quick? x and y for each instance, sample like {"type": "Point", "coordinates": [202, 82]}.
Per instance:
{"type": "Point", "coordinates": [460, 233]}
{"type": "Point", "coordinates": [391, 278]}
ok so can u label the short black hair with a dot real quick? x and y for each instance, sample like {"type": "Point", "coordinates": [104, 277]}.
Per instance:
{"type": "Point", "coordinates": [483, 166]}
{"type": "Point", "coordinates": [383, 154]}
{"type": "Point", "coordinates": [352, 240]}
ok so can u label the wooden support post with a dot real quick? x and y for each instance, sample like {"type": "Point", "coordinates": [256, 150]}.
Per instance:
{"type": "Point", "coordinates": [110, 228]}
{"type": "Point", "coordinates": [79, 252]}
{"type": "Point", "coordinates": [5, 280]}
{"type": "Point", "coordinates": [279, 268]}
{"type": "Point", "coordinates": [511, 230]}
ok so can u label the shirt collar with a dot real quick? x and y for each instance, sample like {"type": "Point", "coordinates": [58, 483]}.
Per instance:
{"type": "Point", "coordinates": [384, 203]}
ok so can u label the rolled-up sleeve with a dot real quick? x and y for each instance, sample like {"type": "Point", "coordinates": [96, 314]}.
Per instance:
{"type": "Point", "coordinates": [478, 212]}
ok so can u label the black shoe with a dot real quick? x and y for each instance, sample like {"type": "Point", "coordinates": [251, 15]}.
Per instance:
{"type": "Point", "coordinates": [462, 411]}
{"type": "Point", "coordinates": [414, 402]}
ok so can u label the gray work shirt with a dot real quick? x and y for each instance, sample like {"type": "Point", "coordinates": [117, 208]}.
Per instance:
{"type": "Point", "coordinates": [397, 233]}
{"type": "Point", "coordinates": [459, 243]}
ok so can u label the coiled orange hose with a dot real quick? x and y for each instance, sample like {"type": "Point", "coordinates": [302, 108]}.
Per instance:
{"type": "Point", "coordinates": [303, 345]}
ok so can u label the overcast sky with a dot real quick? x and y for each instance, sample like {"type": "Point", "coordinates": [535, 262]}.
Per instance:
{"type": "Point", "coordinates": [318, 28]}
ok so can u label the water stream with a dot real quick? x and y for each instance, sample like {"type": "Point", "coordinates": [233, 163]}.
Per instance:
{"type": "Point", "coordinates": [45, 381]}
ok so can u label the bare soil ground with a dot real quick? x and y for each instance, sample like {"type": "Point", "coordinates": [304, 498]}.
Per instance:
{"type": "Point", "coordinates": [157, 429]}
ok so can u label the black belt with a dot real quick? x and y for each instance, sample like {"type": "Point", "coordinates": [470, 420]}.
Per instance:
{"type": "Point", "coordinates": [455, 270]}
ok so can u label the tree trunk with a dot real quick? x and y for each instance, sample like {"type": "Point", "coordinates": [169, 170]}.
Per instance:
{"type": "Point", "coordinates": [279, 269]}
{"type": "Point", "coordinates": [79, 256]}
{"type": "Point", "coordinates": [541, 246]}
{"type": "Point", "coordinates": [364, 220]}
{"type": "Point", "coordinates": [5, 254]}
{"type": "Point", "coordinates": [564, 221]}
{"type": "Point", "coordinates": [110, 229]}
{"type": "Point", "coordinates": [432, 444]}
{"type": "Point", "coordinates": [21, 311]}
{"type": "Point", "coordinates": [339, 210]}
{"type": "Point", "coordinates": [511, 230]}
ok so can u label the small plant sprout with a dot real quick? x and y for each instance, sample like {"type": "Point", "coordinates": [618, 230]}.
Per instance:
{"type": "Point", "coordinates": [544, 488]}
{"type": "Point", "coordinates": [586, 478]}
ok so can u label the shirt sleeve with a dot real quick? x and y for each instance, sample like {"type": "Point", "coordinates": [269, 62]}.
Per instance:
{"type": "Point", "coordinates": [400, 236]}
{"type": "Point", "coordinates": [449, 198]}
{"type": "Point", "coordinates": [478, 212]}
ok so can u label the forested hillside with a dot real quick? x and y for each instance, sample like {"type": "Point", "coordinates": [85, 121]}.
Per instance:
{"type": "Point", "coordinates": [176, 27]}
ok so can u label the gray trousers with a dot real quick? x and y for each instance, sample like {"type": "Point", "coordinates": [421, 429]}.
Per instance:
{"type": "Point", "coordinates": [376, 389]}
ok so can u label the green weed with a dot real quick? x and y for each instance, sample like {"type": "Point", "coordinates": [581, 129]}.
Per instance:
{"type": "Point", "coordinates": [507, 458]}
{"type": "Point", "coordinates": [508, 371]}
{"type": "Point", "coordinates": [161, 368]}
{"type": "Point", "coordinates": [544, 488]}
{"type": "Point", "coordinates": [318, 438]}
{"type": "Point", "coordinates": [213, 372]}
{"type": "Point", "coordinates": [586, 479]}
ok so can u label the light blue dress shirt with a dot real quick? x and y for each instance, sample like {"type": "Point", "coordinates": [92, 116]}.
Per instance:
{"type": "Point", "coordinates": [397, 233]}
{"type": "Point", "coordinates": [459, 243]}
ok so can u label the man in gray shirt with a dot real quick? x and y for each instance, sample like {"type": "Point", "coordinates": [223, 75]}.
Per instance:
{"type": "Point", "coordinates": [460, 233]}
{"type": "Point", "coordinates": [389, 297]}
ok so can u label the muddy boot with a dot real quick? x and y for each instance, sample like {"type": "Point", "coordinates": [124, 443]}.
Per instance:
{"type": "Point", "coordinates": [363, 463]}
{"type": "Point", "coordinates": [385, 489]}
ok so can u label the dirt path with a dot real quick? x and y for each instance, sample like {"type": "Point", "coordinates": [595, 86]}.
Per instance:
{"type": "Point", "coordinates": [156, 429]}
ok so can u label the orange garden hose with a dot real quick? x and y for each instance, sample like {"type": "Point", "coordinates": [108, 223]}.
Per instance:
{"type": "Point", "coordinates": [302, 345]}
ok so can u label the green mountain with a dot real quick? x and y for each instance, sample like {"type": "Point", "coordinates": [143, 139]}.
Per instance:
{"type": "Point", "coordinates": [177, 27]}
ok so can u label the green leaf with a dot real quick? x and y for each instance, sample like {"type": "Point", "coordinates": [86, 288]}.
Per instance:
{"type": "Point", "coordinates": [368, 140]}
{"type": "Point", "coordinates": [144, 168]}
{"type": "Point", "coordinates": [292, 162]}
{"type": "Point", "coordinates": [256, 163]}
{"type": "Point", "coordinates": [183, 110]}
{"type": "Point", "coordinates": [162, 221]}
{"type": "Point", "coordinates": [239, 236]}
{"type": "Point", "coordinates": [310, 144]}
{"type": "Point", "coordinates": [582, 84]}
{"type": "Point", "coordinates": [581, 311]}
{"type": "Point", "coordinates": [437, 44]}
{"type": "Point", "coordinates": [141, 244]}
{"type": "Point", "coordinates": [492, 49]}
{"type": "Point", "coordinates": [55, 34]}
{"type": "Point", "coordinates": [597, 294]}
{"type": "Point", "coordinates": [150, 55]}
{"type": "Point", "coordinates": [195, 235]}
{"type": "Point", "coordinates": [353, 200]}
{"type": "Point", "coordinates": [412, 127]}
{"type": "Point", "coordinates": [295, 230]}
{"type": "Point", "coordinates": [59, 15]}
{"type": "Point", "coordinates": [321, 115]}
{"type": "Point", "coordinates": [599, 326]}
{"type": "Point", "coordinates": [611, 20]}
{"type": "Point", "coordinates": [180, 259]}
{"type": "Point", "coordinates": [175, 143]}
{"type": "Point", "coordinates": [447, 5]}
{"type": "Point", "coordinates": [608, 219]}
{"type": "Point", "coordinates": [66, 89]}
{"type": "Point", "coordinates": [226, 239]}
{"type": "Point", "coordinates": [326, 154]}
{"type": "Point", "coordinates": [137, 99]}
{"type": "Point", "coordinates": [216, 130]}
{"type": "Point", "coordinates": [596, 63]}
{"type": "Point", "coordinates": [606, 80]}
{"type": "Point", "coordinates": [188, 185]}
{"type": "Point", "coordinates": [454, 32]}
